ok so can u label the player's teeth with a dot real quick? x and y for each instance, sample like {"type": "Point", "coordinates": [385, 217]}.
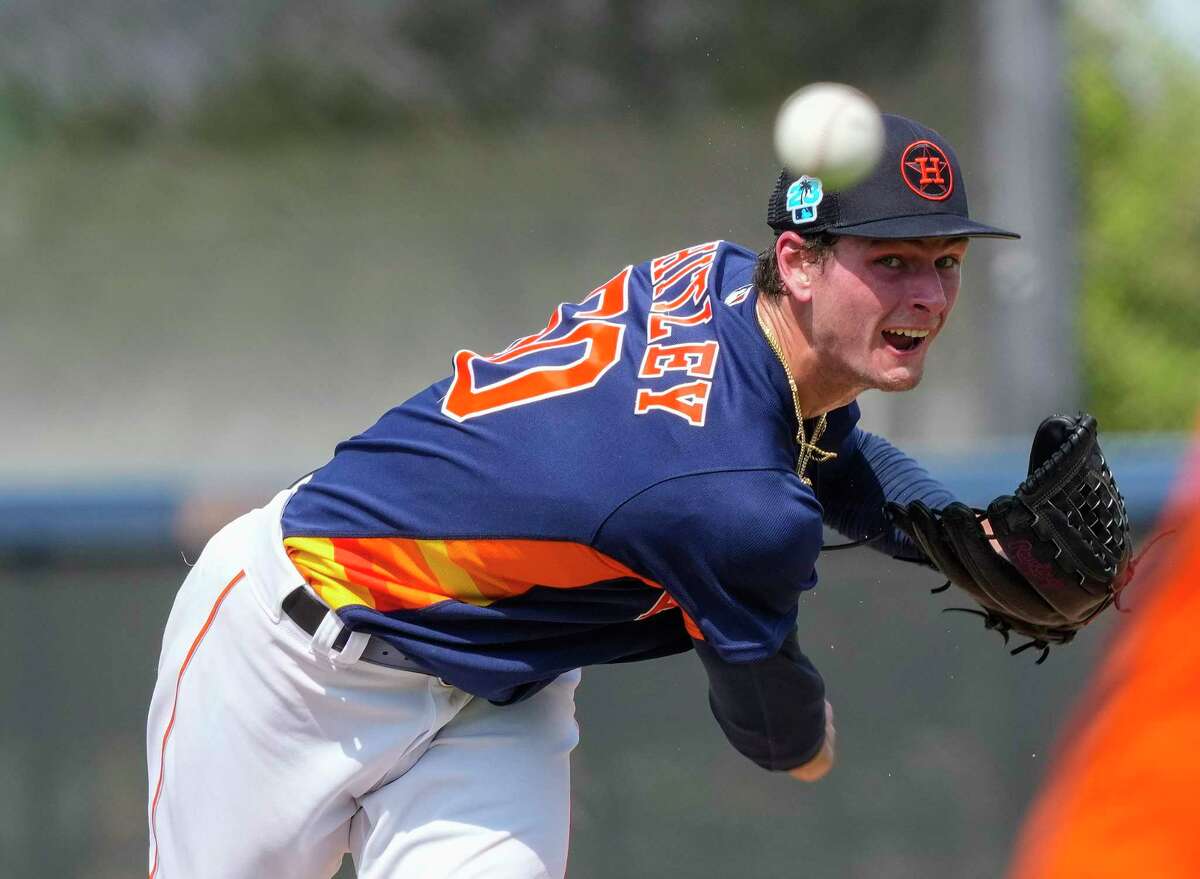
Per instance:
{"type": "Point", "coordinates": [916, 334]}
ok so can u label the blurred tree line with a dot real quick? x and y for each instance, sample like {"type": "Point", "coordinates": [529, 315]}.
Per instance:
{"type": "Point", "coordinates": [237, 72]}
{"type": "Point", "coordinates": [252, 74]}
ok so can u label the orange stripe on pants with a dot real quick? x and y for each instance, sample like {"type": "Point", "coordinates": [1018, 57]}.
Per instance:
{"type": "Point", "coordinates": [162, 756]}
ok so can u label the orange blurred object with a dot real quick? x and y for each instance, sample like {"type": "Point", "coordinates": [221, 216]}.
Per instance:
{"type": "Point", "coordinates": [1124, 797]}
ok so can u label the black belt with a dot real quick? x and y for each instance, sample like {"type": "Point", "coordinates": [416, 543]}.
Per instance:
{"type": "Point", "coordinates": [308, 613]}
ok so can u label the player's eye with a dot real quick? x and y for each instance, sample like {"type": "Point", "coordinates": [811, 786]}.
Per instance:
{"type": "Point", "coordinates": [890, 261]}
{"type": "Point", "coordinates": [947, 262]}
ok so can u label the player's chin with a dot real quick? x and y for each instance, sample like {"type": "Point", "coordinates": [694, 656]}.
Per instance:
{"type": "Point", "coordinates": [892, 373]}
{"type": "Point", "coordinates": [903, 378]}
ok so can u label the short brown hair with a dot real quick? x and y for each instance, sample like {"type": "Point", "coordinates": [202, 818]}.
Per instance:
{"type": "Point", "coordinates": [766, 271]}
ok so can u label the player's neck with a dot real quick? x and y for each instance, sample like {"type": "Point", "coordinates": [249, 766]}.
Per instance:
{"type": "Point", "coordinates": [815, 393]}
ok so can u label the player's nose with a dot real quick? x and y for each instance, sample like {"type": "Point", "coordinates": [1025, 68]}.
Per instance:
{"type": "Point", "coordinates": [927, 292]}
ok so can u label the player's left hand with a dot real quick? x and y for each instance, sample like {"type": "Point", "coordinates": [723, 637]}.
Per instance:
{"type": "Point", "coordinates": [1054, 554]}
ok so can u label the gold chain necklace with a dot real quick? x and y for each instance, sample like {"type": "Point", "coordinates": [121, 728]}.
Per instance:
{"type": "Point", "coordinates": [809, 451]}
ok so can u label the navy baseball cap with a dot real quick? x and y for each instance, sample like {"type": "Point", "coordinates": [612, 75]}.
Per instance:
{"type": "Point", "coordinates": [916, 191]}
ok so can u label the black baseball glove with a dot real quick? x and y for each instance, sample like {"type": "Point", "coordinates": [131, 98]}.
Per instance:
{"type": "Point", "coordinates": [1064, 535]}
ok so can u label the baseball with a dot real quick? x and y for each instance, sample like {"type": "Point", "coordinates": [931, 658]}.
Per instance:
{"type": "Point", "coordinates": [830, 131]}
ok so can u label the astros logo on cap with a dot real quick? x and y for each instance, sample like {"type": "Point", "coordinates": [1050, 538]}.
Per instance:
{"type": "Point", "coordinates": [926, 170]}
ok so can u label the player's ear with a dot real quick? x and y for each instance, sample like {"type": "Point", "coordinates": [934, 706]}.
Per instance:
{"type": "Point", "coordinates": [796, 267]}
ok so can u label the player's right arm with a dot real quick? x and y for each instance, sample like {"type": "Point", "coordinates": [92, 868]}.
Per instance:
{"type": "Point", "coordinates": [818, 767]}
{"type": "Point", "coordinates": [773, 711]}
{"type": "Point", "coordinates": [735, 549]}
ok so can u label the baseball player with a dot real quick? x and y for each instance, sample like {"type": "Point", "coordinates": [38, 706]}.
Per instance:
{"type": "Point", "coordinates": [382, 660]}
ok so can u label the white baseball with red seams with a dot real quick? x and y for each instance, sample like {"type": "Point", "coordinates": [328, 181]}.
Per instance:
{"type": "Point", "coordinates": [831, 131]}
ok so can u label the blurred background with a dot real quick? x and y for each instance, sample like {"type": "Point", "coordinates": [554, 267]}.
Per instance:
{"type": "Point", "coordinates": [233, 234]}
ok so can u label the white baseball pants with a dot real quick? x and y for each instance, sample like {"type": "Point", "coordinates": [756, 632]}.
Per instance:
{"type": "Point", "coordinates": [270, 754]}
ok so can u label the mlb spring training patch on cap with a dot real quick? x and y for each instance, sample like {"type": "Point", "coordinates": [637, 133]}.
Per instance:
{"type": "Point", "coordinates": [915, 191]}
{"type": "Point", "coordinates": [803, 196]}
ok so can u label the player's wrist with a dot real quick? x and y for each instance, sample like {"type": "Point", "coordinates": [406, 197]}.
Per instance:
{"type": "Point", "coordinates": [819, 765]}
{"type": "Point", "coordinates": [816, 768]}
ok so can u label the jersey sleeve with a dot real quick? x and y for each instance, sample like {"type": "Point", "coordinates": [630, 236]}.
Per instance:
{"type": "Point", "coordinates": [868, 472]}
{"type": "Point", "coordinates": [773, 710]}
{"type": "Point", "coordinates": [733, 548]}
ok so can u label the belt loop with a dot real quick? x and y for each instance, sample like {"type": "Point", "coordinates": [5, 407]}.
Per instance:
{"type": "Point", "coordinates": [325, 635]}
{"type": "Point", "coordinates": [353, 650]}
{"type": "Point", "coordinates": [328, 638]}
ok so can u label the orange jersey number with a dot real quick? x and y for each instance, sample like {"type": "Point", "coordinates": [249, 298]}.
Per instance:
{"type": "Point", "coordinates": [591, 327]}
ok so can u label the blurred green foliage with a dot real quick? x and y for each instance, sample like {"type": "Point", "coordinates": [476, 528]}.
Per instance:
{"type": "Point", "coordinates": [1137, 136]}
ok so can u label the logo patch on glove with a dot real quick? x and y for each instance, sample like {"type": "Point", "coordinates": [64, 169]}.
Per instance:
{"type": "Point", "coordinates": [1020, 553]}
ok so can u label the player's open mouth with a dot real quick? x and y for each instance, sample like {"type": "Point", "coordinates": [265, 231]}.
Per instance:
{"type": "Point", "coordinates": [904, 339]}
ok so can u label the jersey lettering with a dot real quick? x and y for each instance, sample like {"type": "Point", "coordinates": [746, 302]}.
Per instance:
{"type": "Point", "coordinates": [533, 379]}
{"type": "Point", "coordinates": [695, 291]}
{"type": "Point", "coordinates": [680, 299]}
{"type": "Point", "coordinates": [688, 401]}
{"type": "Point", "coordinates": [664, 270]}
{"type": "Point", "coordinates": [692, 266]}
{"type": "Point", "coordinates": [697, 359]}
{"type": "Point", "coordinates": [660, 324]}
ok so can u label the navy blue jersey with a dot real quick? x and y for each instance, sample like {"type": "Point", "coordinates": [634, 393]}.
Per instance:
{"type": "Point", "coordinates": [604, 490]}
